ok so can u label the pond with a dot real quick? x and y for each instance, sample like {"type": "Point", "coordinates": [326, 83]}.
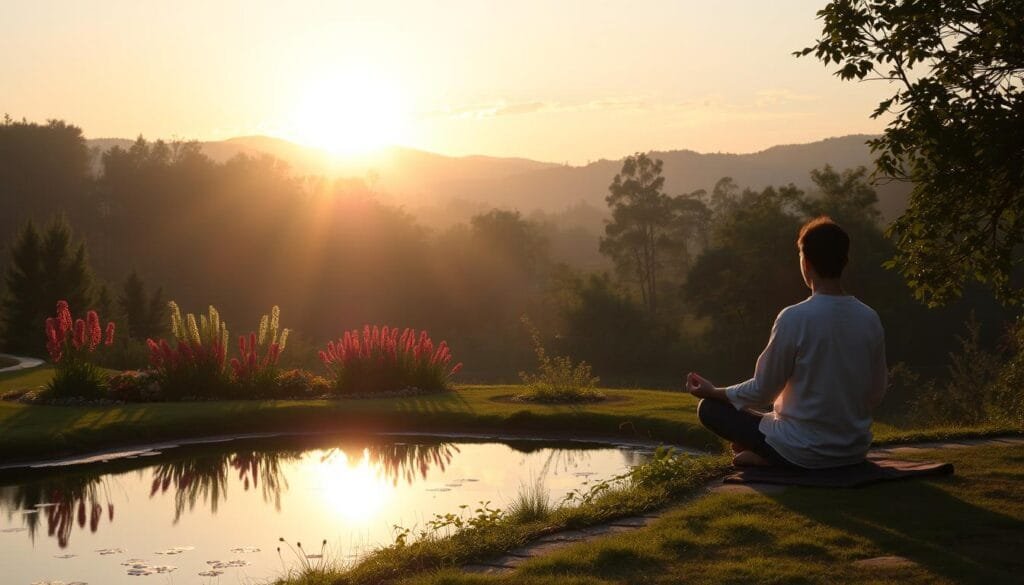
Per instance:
{"type": "Point", "coordinates": [214, 513]}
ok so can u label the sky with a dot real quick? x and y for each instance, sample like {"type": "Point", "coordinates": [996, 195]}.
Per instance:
{"type": "Point", "coordinates": [561, 81]}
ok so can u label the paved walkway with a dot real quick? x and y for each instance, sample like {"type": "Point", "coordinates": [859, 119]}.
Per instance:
{"type": "Point", "coordinates": [558, 540]}
{"type": "Point", "coordinates": [23, 363]}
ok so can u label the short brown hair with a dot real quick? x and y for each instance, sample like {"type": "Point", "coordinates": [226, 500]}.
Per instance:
{"type": "Point", "coordinates": [825, 245]}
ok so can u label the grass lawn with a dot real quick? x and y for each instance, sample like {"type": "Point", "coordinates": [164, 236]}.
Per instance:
{"type": "Point", "coordinates": [42, 431]}
{"type": "Point", "coordinates": [961, 529]}
{"type": "Point", "coordinates": [45, 431]}
{"type": "Point", "coordinates": [955, 529]}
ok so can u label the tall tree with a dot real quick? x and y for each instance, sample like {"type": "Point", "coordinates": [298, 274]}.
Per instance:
{"type": "Point", "coordinates": [748, 273]}
{"type": "Point", "coordinates": [650, 232]}
{"type": "Point", "coordinates": [43, 168]}
{"type": "Point", "coordinates": [510, 239]}
{"type": "Point", "coordinates": [956, 131]}
{"type": "Point", "coordinates": [43, 270]}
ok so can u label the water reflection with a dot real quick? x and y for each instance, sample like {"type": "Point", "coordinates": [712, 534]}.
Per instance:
{"type": "Point", "coordinates": [62, 503]}
{"type": "Point", "coordinates": [351, 476]}
{"type": "Point", "coordinates": [206, 478]}
{"type": "Point", "coordinates": [349, 491]}
{"type": "Point", "coordinates": [397, 461]}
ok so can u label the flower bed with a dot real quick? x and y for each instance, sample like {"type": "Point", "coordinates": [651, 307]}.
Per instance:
{"type": "Point", "coordinates": [195, 363]}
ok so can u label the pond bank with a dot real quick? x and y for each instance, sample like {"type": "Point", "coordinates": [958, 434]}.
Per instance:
{"type": "Point", "coordinates": [131, 451]}
{"type": "Point", "coordinates": [33, 433]}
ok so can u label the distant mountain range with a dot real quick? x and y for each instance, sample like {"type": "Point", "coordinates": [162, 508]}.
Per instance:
{"type": "Point", "coordinates": [443, 187]}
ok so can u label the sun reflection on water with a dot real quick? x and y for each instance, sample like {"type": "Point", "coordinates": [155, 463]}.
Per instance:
{"type": "Point", "coordinates": [354, 489]}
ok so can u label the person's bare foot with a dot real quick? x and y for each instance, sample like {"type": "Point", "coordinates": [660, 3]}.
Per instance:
{"type": "Point", "coordinates": [737, 448]}
{"type": "Point", "coordinates": [750, 459]}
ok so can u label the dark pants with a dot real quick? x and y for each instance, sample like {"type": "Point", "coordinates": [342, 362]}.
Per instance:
{"type": "Point", "coordinates": [738, 426]}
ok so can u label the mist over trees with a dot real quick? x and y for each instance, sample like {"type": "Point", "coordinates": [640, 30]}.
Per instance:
{"type": "Point", "coordinates": [165, 221]}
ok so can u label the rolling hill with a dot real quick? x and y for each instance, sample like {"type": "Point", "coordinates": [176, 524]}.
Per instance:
{"type": "Point", "coordinates": [443, 189]}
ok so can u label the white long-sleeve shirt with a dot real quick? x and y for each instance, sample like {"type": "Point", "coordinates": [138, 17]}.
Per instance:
{"type": "Point", "coordinates": [824, 368]}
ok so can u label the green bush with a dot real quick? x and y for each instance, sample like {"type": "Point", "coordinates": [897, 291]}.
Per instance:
{"type": "Point", "coordinates": [557, 379]}
{"type": "Point", "coordinates": [77, 379]}
{"type": "Point", "coordinates": [301, 384]}
{"type": "Point", "coordinates": [134, 386]}
{"type": "Point", "coordinates": [1007, 394]}
{"type": "Point", "coordinates": [981, 387]}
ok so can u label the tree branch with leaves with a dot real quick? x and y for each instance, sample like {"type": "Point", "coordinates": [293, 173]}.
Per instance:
{"type": "Point", "coordinates": [956, 131]}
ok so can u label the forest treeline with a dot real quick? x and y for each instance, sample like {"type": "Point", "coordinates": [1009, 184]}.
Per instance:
{"type": "Point", "coordinates": [695, 279]}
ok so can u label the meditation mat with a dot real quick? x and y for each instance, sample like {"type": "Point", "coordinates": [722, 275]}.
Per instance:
{"type": "Point", "coordinates": [873, 470]}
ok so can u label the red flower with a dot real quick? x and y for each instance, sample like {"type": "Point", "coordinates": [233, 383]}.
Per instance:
{"type": "Point", "coordinates": [63, 317]}
{"type": "Point", "coordinates": [110, 334]}
{"type": "Point", "coordinates": [78, 340]}
{"type": "Point", "coordinates": [92, 326]}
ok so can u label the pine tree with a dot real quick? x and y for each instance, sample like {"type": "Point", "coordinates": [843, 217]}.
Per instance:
{"type": "Point", "coordinates": [43, 270]}
{"type": "Point", "coordinates": [22, 303]}
{"type": "Point", "coordinates": [144, 313]}
{"type": "Point", "coordinates": [104, 304]}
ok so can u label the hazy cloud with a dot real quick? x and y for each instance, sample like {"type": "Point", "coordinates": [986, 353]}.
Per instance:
{"type": "Point", "coordinates": [762, 104]}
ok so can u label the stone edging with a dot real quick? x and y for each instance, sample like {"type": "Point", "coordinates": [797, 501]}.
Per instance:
{"type": "Point", "coordinates": [513, 559]}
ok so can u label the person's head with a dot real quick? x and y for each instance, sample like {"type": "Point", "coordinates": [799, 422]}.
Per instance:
{"type": "Point", "coordinates": [824, 249]}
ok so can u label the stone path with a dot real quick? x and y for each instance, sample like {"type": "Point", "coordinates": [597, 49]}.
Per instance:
{"type": "Point", "coordinates": [23, 363]}
{"type": "Point", "coordinates": [558, 540]}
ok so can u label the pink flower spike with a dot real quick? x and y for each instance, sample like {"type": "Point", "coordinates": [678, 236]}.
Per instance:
{"type": "Point", "coordinates": [63, 317]}
{"type": "Point", "coordinates": [110, 334]}
{"type": "Point", "coordinates": [51, 330]}
{"type": "Point", "coordinates": [78, 340]}
{"type": "Point", "coordinates": [92, 325]}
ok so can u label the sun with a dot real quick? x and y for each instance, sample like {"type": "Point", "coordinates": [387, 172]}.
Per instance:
{"type": "Point", "coordinates": [353, 113]}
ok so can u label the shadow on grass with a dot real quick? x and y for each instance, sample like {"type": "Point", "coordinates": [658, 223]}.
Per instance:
{"type": "Point", "coordinates": [924, 523]}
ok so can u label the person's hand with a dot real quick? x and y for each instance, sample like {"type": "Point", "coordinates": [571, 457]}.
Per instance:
{"type": "Point", "coordinates": [699, 386]}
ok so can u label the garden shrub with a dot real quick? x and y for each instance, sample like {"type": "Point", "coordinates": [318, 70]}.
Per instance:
{"type": "Point", "coordinates": [557, 379]}
{"type": "Point", "coordinates": [71, 345]}
{"type": "Point", "coordinates": [255, 375]}
{"type": "Point", "coordinates": [125, 354]}
{"type": "Point", "coordinates": [299, 383]}
{"type": "Point", "coordinates": [134, 386]}
{"type": "Point", "coordinates": [194, 366]}
{"type": "Point", "coordinates": [1007, 395]}
{"type": "Point", "coordinates": [981, 387]}
{"type": "Point", "coordinates": [382, 360]}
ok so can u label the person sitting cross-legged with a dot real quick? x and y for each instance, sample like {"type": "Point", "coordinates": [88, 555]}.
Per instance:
{"type": "Point", "coordinates": [823, 372]}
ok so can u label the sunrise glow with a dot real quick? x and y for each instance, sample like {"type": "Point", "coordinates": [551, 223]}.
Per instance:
{"type": "Point", "coordinates": [349, 113]}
